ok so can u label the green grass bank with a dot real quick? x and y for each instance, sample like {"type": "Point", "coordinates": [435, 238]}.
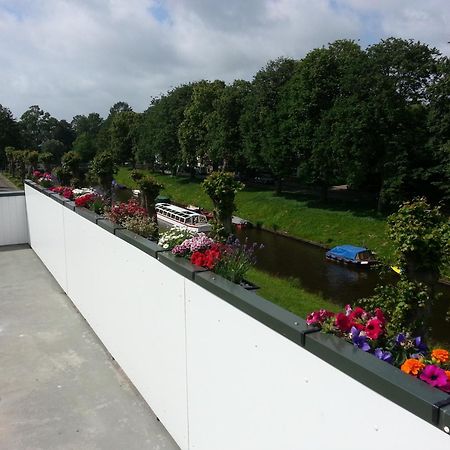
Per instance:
{"type": "Point", "coordinates": [294, 214]}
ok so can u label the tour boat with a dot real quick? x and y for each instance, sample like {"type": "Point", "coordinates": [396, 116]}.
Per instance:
{"type": "Point", "coordinates": [359, 256]}
{"type": "Point", "coordinates": [182, 217]}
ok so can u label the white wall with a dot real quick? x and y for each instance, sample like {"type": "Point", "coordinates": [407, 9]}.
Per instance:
{"type": "Point", "coordinates": [136, 306]}
{"type": "Point", "coordinates": [45, 222]}
{"type": "Point", "coordinates": [13, 219]}
{"type": "Point", "coordinates": [249, 388]}
{"type": "Point", "coordinates": [217, 378]}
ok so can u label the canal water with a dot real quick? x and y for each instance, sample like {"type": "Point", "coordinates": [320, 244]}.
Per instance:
{"type": "Point", "coordinates": [286, 257]}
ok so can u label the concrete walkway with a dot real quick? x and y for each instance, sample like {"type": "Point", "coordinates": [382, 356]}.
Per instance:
{"type": "Point", "coordinates": [6, 185]}
{"type": "Point", "coordinates": [59, 388]}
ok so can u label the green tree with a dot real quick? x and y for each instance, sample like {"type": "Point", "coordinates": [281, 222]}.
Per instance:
{"type": "Point", "coordinates": [158, 136]}
{"type": "Point", "coordinates": [64, 133]}
{"type": "Point", "coordinates": [85, 145]}
{"type": "Point", "coordinates": [150, 189]}
{"type": "Point", "coordinates": [102, 168]}
{"type": "Point", "coordinates": [221, 187]}
{"type": "Point", "coordinates": [56, 148]}
{"type": "Point", "coordinates": [9, 133]}
{"type": "Point", "coordinates": [224, 134]}
{"type": "Point", "coordinates": [46, 159]}
{"type": "Point", "coordinates": [70, 162]}
{"type": "Point", "coordinates": [32, 159]}
{"type": "Point", "coordinates": [124, 135]}
{"type": "Point", "coordinates": [36, 126]}
{"type": "Point", "coordinates": [193, 131]}
{"type": "Point", "coordinates": [264, 144]}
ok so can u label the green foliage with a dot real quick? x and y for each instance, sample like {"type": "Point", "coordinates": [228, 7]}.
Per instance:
{"type": "Point", "coordinates": [144, 226]}
{"type": "Point", "coordinates": [221, 187]}
{"type": "Point", "coordinates": [193, 131]}
{"type": "Point", "coordinates": [85, 146]}
{"type": "Point", "coordinates": [63, 174]}
{"type": "Point", "coordinates": [407, 305]}
{"type": "Point", "coordinates": [136, 175]}
{"type": "Point", "coordinates": [56, 148]}
{"type": "Point", "coordinates": [70, 163]}
{"type": "Point", "coordinates": [37, 126]}
{"type": "Point", "coordinates": [421, 235]}
{"type": "Point", "coordinates": [9, 133]}
{"type": "Point", "coordinates": [158, 136]}
{"type": "Point", "coordinates": [46, 159]}
{"type": "Point", "coordinates": [102, 168]}
{"type": "Point", "coordinates": [124, 132]}
{"type": "Point", "coordinates": [150, 189]}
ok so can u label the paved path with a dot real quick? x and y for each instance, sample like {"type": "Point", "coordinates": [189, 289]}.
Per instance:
{"type": "Point", "coordinates": [59, 388]}
{"type": "Point", "coordinates": [6, 185]}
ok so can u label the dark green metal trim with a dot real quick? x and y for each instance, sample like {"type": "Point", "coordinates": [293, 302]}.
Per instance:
{"type": "Point", "coordinates": [59, 198]}
{"type": "Point", "coordinates": [443, 421]}
{"type": "Point", "coordinates": [406, 391]}
{"type": "Point", "coordinates": [278, 319]}
{"type": "Point", "coordinates": [70, 204]}
{"type": "Point", "coordinates": [149, 247]}
{"type": "Point", "coordinates": [108, 225]}
{"type": "Point", "coordinates": [180, 265]}
{"type": "Point", "coordinates": [11, 193]}
{"type": "Point", "coordinates": [87, 214]}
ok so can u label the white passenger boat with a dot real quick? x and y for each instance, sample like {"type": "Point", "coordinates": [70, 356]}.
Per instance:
{"type": "Point", "coordinates": [182, 217]}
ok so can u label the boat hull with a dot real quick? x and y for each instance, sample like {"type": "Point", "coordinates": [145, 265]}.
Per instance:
{"type": "Point", "coordinates": [201, 228]}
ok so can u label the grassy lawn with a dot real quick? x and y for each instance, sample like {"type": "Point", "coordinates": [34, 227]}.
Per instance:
{"type": "Point", "coordinates": [297, 215]}
{"type": "Point", "coordinates": [288, 294]}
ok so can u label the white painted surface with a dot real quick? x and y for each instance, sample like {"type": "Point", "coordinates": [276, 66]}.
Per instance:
{"type": "Point", "coordinates": [45, 222]}
{"type": "Point", "coordinates": [217, 378]}
{"type": "Point", "coordinates": [13, 220]}
{"type": "Point", "coordinates": [250, 388]}
{"type": "Point", "coordinates": [136, 306]}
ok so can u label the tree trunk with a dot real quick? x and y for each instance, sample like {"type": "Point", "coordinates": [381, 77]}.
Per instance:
{"type": "Point", "coordinates": [278, 186]}
{"type": "Point", "coordinates": [324, 193]}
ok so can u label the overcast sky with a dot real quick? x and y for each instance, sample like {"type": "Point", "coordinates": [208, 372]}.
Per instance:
{"type": "Point", "coordinates": [79, 56]}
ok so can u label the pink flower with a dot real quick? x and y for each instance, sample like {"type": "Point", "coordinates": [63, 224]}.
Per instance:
{"type": "Point", "coordinates": [343, 322]}
{"type": "Point", "coordinates": [434, 375]}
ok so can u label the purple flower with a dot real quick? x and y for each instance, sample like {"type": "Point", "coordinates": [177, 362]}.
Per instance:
{"type": "Point", "coordinates": [383, 355]}
{"type": "Point", "coordinates": [359, 340]}
{"type": "Point", "coordinates": [434, 375]}
{"type": "Point", "coordinates": [419, 344]}
{"type": "Point", "coordinates": [400, 338]}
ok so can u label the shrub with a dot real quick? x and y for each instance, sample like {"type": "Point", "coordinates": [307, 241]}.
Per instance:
{"type": "Point", "coordinates": [143, 225]}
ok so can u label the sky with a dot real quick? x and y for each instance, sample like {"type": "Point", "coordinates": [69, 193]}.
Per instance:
{"type": "Point", "coordinates": [80, 56]}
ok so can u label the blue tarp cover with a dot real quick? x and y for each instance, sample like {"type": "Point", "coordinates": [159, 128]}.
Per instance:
{"type": "Point", "coordinates": [346, 251]}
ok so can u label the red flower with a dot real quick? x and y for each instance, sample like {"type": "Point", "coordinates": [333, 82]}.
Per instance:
{"type": "Point", "coordinates": [343, 322]}
{"type": "Point", "coordinates": [374, 328]}
{"type": "Point", "coordinates": [380, 316]}
{"type": "Point", "coordinates": [198, 259]}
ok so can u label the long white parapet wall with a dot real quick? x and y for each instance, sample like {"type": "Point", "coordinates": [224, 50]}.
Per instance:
{"type": "Point", "coordinates": [222, 368]}
{"type": "Point", "coordinates": [13, 218]}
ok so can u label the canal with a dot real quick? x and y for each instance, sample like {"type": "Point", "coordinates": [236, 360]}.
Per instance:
{"type": "Point", "coordinates": [286, 257]}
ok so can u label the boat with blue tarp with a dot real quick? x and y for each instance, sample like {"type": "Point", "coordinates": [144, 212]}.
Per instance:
{"type": "Point", "coordinates": [350, 254]}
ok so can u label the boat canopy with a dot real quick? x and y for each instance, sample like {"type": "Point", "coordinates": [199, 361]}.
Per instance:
{"type": "Point", "coordinates": [347, 251]}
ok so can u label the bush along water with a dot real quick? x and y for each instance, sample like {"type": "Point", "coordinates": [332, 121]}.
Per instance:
{"type": "Point", "coordinates": [368, 331]}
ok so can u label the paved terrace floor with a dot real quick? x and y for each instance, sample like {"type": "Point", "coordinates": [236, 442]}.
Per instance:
{"type": "Point", "coordinates": [59, 388]}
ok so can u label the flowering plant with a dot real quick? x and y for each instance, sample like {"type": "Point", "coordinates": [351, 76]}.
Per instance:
{"type": "Point", "coordinates": [195, 244]}
{"type": "Point", "coordinates": [143, 225]}
{"type": "Point", "coordinates": [81, 191]}
{"type": "Point", "coordinates": [173, 237]}
{"type": "Point", "coordinates": [65, 191]}
{"type": "Point", "coordinates": [122, 211]}
{"type": "Point", "coordinates": [236, 259]}
{"type": "Point", "coordinates": [43, 178]}
{"type": "Point", "coordinates": [367, 331]}
{"type": "Point", "coordinates": [92, 201]}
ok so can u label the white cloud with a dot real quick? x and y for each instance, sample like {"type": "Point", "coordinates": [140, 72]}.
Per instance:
{"type": "Point", "coordinates": [79, 56]}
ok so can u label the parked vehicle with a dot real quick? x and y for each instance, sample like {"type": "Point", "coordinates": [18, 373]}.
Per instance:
{"type": "Point", "coordinates": [182, 217]}
{"type": "Point", "coordinates": [351, 254]}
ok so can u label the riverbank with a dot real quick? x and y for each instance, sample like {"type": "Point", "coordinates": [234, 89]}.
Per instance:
{"type": "Point", "coordinates": [294, 214]}
{"type": "Point", "coordinates": [288, 293]}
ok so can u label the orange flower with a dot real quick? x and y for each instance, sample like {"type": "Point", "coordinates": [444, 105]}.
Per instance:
{"type": "Point", "coordinates": [447, 372]}
{"type": "Point", "coordinates": [440, 355]}
{"type": "Point", "coordinates": [412, 366]}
